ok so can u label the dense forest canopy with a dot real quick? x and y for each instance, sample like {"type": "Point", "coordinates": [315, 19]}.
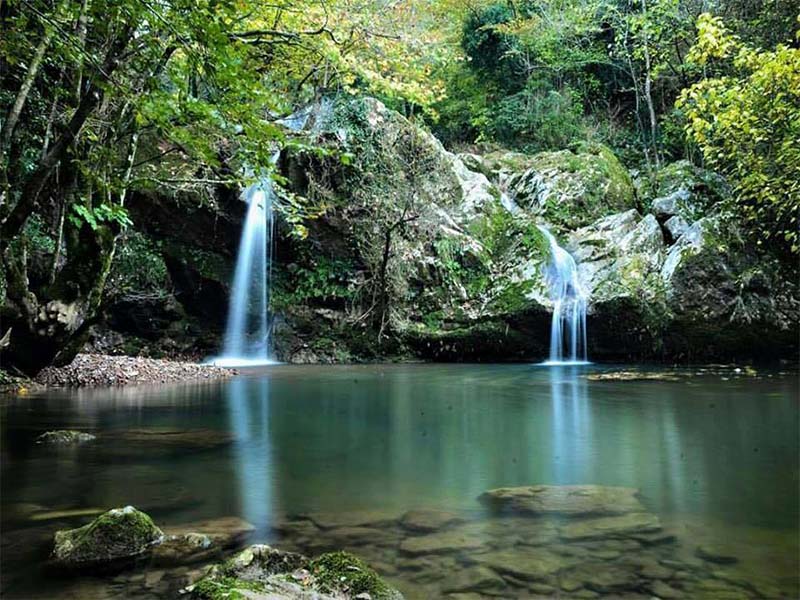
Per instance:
{"type": "Point", "coordinates": [101, 98]}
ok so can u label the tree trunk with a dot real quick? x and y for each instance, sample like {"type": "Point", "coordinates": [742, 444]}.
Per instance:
{"type": "Point", "coordinates": [37, 180]}
{"type": "Point", "coordinates": [7, 131]}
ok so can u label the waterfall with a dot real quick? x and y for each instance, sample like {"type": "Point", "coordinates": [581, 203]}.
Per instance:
{"type": "Point", "coordinates": [568, 326]}
{"type": "Point", "coordinates": [248, 335]}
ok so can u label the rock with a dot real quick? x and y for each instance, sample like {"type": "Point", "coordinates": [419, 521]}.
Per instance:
{"type": "Point", "coordinates": [65, 437]}
{"type": "Point", "coordinates": [654, 570]}
{"type": "Point", "coordinates": [573, 500]}
{"type": "Point", "coordinates": [665, 591]}
{"type": "Point", "coordinates": [529, 564]}
{"type": "Point", "coordinates": [185, 549]}
{"type": "Point", "coordinates": [633, 376]}
{"type": "Point", "coordinates": [120, 534]}
{"type": "Point", "coordinates": [350, 536]}
{"type": "Point", "coordinates": [542, 588]}
{"type": "Point", "coordinates": [340, 573]}
{"type": "Point", "coordinates": [472, 579]}
{"type": "Point", "coordinates": [427, 521]}
{"type": "Point", "coordinates": [362, 518]}
{"type": "Point", "coordinates": [572, 189]}
{"type": "Point", "coordinates": [675, 204]}
{"type": "Point", "coordinates": [715, 554]}
{"type": "Point", "coordinates": [603, 577]}
{"type": "Point", "coordinates": [618, 526]}
{"type": "Point", "coordinates": [676, 226]}
{"type": "Point", "coordinates": [700, 189]}
{"type": "Point", "coordinates": [172, 440]}
{"type": "Point", "coordinates": [716, 589]}
{"type": "Point", "coordinates": [225, 532]}
{"type": "Point", "coordinates": [452, 540]}
{"type": "Point", "coordinates": [265, 573]}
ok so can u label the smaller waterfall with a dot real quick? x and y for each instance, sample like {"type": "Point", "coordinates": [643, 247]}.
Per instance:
{"type": "Point", "coordinates": [247, 336]}
{"type": "Point", "coordinates": [568, 327]}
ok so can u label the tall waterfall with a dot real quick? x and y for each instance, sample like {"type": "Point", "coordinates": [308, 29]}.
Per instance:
{"type": "Point", "coordinates": [248, 335]}
{"type": "Point", "coordinates": [568, 326]}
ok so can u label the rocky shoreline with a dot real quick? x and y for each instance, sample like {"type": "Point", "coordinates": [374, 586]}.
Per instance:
{"type": "Point", "coordinates": [98, 370]}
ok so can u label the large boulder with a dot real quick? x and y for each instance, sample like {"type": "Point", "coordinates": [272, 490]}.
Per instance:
{"type": "Point", "coordinates": [697, 292]}
{"type": "Point", "coordinates": [572, 189]}
{"type": "Point", "coordinates": [115, 537]}
{"type": "Point", "coordinates": [727, 299]}
{"type": "Point", "coordinates": [571, 500]}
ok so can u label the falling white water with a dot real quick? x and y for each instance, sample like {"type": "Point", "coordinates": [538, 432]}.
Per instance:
{"type": "Point", "coordinates": [568, 326]}
{"type": "Point", "coordinates": [248, 335]}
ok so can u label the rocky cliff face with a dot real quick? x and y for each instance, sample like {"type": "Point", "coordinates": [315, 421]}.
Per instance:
{"type": "Point", "coordinates": [422, 253]}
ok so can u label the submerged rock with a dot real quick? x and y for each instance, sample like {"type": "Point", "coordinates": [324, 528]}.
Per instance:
{"type": "Point", "coordinates": [573, 500]}
{"type": "Point", "coordinates": [185, 549]}
{"type": "Point", "coordinates": [452, 540]}
{"type": "Point", "coordinates": [224, 531]}
{"type": "Point", "coordinates": [120, 534]}
{"type": "Point", "coordinates": [715, 554]}
{"type": "Point", "coordinates": [65, 437]}
{"type": "Point", "coordinates": [632, 376]}
{"type": "Point", "coordinates": [426, 521]}
{"type": "Point", "coordinates": [530, 564]}
{"type": "Point", "coordinates": [262, 572]}
{"type": "Point", "coordinates": [363, 518]}
{"type": "Point", "coordinates": [617, 526]}
{"type": "Point", "coordinates": [177, 440]}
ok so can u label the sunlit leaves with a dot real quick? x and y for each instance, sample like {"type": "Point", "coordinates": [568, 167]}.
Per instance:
{"type": "Point", "coordinates": [747, 124]}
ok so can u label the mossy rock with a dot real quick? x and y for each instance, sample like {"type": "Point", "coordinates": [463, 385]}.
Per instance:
{"type": "Point", "coordinates": [64, 437]}
{"type": "Point", "coordinates": [572, 189]}
{"type": "Point", "coordinates": [477, 342]}
{"type": "Point", "coordinates": [683, 175]}
{"type": "Point", "coordinates": [115, 537]}
{"type": "Point", "coordinates": [262, 572]}
{"type": "Point", "coordinates": [343, 573]}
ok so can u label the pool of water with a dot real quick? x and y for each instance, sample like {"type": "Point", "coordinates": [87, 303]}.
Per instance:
{"type": "Point", "coordinates": [293, 450]}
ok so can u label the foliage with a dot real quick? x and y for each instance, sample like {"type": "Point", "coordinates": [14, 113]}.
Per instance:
{"type": "Point", "coordinates": [746, 121]}
{"type": "Point", "coordinates": [138, 268]}
{"type": "Point", "coordinates": [314, 279]}
{"type": "Point", "coordinates": [540, 118]}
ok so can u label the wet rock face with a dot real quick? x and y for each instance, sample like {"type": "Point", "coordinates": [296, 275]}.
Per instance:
{"type": "Point", "coordinates": [119, 535]}
{"type": "Point", "coordinates": [685, 289]}
{"type": "Point", "coordinates": [571, 189]}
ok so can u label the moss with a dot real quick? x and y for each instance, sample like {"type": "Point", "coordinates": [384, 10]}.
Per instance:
{"type": "Point", "coordinates": [225, 588]}
{"type": "Point", "coordinates": [574, 189]}
{"type": "Point", "coordinates": [683, 175]}
{"type": "Point", "coordinates": [116, 534]}
{"type": "Point", "coordinates": [345, 573]}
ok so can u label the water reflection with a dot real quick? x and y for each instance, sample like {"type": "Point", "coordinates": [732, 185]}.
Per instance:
{"type": "Point", "coordinates": [248, 405]}
{"type": "Point", "coordinates": [572, 459]}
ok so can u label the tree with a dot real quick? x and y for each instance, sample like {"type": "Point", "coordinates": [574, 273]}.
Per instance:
{"type": "Point", "coordinates": [745, 117]}
{"type": "Point", "coordinates": [101, 97]}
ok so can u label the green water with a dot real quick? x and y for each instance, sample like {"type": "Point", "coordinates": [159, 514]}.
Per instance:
{"type": "Point", "coordinates": [715, 455]}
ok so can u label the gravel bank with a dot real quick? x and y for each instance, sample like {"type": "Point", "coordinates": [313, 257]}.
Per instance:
{"type": "Point", "coordinates": [95, 370]}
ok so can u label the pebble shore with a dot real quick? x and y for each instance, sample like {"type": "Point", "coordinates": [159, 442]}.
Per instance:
{"type": "Point", "coordinates": [95, 370]}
